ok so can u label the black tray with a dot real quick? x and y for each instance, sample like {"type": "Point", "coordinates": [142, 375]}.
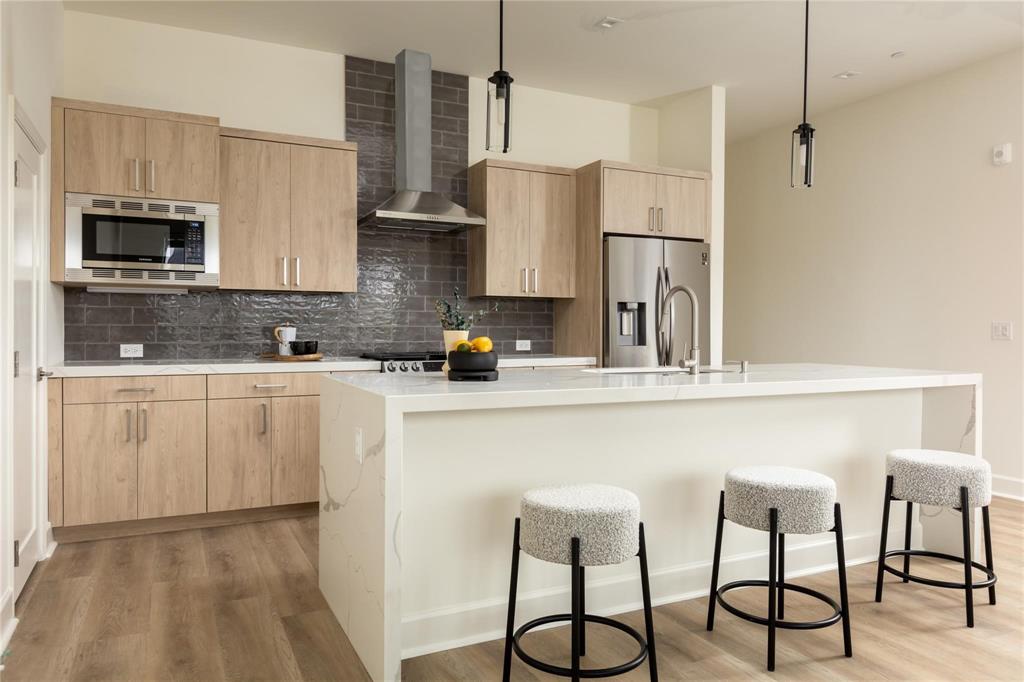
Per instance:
{"type": "Point", "coordinates": [462, 375]}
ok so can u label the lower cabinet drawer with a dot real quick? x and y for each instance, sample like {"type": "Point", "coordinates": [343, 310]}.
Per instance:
{"type": "Point", "coordinates": [133, 389]}
{"type": "Point", "coordinates": [263, 385]}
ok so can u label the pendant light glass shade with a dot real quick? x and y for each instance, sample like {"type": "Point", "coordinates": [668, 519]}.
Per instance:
{"type": "Point", "coordinates": [802, 160]}
{"type": "Point", "coordinates": [499, 111]}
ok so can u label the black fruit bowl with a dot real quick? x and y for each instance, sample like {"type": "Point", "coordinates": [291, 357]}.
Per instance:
{"type": "Point", "coordinates": [465, 361]}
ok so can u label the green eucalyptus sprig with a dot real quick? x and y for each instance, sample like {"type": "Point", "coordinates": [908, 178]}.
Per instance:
{"type": "Point", "coordinates": [453, 317]}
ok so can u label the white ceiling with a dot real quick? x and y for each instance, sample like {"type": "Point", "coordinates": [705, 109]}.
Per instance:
{"type": "Point", "coordinates": [753, 48]}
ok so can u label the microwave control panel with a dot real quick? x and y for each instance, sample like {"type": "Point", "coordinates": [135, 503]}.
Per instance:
{"type": "Point", "coordinates": [194, 243]}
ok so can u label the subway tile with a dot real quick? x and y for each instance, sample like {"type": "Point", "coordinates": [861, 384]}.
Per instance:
{"type": "Point", "coordinates": [86, 334]}
{"type": "Point", "coordinates": [102, 351]}
{"type": "Point", "coordinates": [108, 315]}
{"type": "Point", "coordinates": [133, 334]}
{"type": "Point", "coordinates": [74, 315]}
{"type": "Point", "coordinates": [358, 95]}
{"type": "Point", "coordinates": [359, 64]}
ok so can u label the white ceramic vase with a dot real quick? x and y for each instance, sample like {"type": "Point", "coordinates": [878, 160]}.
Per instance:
{"type": "Point", "coordinates": [451, 338]}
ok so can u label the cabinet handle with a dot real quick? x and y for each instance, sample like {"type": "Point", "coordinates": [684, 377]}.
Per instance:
{"type": "Point", "coordinates": [136, 185]}
{"type": "Point", "coordinates": [536, 279]}
{"type": "Point", "coordinates": [152, 175]}
{"type": "Point", "coordinates": [270, 385]}
{"type": "Point", "coordinates": [298, 271]}
{"type": "Point", "coordinates": [661, 219]}
{"type": "Point", "coordinates": [525, 281]}
{"type": "Point", "coordinates": [650, 219]}
{"type": "Point", "coordinates": [145, 425]}
{"type": "Point", "coordinates": [128, 425]}
{"type": "Point", "coordinates": [284, 270]}
{"type": "Point", "coordinates": [263, 411]}
{"type": "Point", "coordinates": [144, 389]}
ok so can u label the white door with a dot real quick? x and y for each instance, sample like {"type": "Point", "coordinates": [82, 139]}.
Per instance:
{"type": "Point", "coordinates": [28, 216]}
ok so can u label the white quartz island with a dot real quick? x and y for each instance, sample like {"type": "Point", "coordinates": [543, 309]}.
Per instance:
{"type": "Point", "coordinates": [421, 480]}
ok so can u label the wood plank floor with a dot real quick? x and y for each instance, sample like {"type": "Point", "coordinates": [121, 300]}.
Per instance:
{"type": "Point", "coordinates": [241, 603]}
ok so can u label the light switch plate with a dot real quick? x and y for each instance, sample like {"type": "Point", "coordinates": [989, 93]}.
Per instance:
{"type": "Point", "coordinates": [131, 350]}
{"type": "Point", "coordinates": [1002, 331]}
{"type": "Point", "coordinates": [522, 344]}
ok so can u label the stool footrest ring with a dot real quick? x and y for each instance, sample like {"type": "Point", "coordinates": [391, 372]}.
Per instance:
{"type": "Point", "coordinates": [832, 619]}
{"type": "Point", "coordinates": [988, 582]}
{"type": "Point", "coordinates": [584, 672]}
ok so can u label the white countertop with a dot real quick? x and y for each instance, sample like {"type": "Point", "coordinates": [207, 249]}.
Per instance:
{"type": "Point", "coordinates": [340, 364]}
{"type": "Point", "coordinates": [429, 393]}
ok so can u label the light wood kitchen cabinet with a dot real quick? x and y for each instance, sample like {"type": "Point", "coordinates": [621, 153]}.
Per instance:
{"type": "Point", "coordinates": [288, 213]}
{"type": "Point", "coordinates": [140, 155]}
{"type": "Point", "coordinates": [100, 463]}
{"type": "Point", "coordinates": [172, 458]}
{"type": "Point", "coordinates": [104, 153]}
{"type": "Point", "coordinates": [295, 474]}
{"type": "Point", "coordinates": [630, 201]}
{"type": "Point", "coordinates": [181, 160]}
{"type": "Point", "coordinates": [254, 214]}
{"type": "Point", "coordinates": [662, 204]}
{"type": "Point", "coordinates": [239, 440]}
{"type": "Point", "coordinates": [527, 248]}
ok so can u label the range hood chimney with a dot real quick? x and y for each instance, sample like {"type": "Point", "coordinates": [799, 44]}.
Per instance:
{"type": "Point", "coordinates": [414, 206]}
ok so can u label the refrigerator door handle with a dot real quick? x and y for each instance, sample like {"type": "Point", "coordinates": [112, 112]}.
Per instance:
{"type": "Point", "coordinates": [658, 345]}
{"type": "Point", "coordinates": [670, 351]}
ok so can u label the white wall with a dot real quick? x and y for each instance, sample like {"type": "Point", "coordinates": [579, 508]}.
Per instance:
{"type": "Point", "coordinates": [908, 246]}
{"type": "Point", "coordinates": [30, 52]}
{"type": "Point", "coordinates": [692, 136]}
{"type": "Point", "coordinates": [247, 83]}
{"type": "Point", "coordinates": [565, 130]}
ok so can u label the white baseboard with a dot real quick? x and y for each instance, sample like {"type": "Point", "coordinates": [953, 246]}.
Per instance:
{"type": "Point", "coordinates": [481, 621]}
{"type": "Point", "coordinates": [1007, 486]}
{"type": "Point", "coordinates": [8, 622]}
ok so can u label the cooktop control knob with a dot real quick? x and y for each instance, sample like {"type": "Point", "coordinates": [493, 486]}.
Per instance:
{"type": "Point", "coordinates": [391, 367]}
{"type": "Point", "coordinates": [416, 366]}
{"type": "Point", "coordinates": [403, 367]}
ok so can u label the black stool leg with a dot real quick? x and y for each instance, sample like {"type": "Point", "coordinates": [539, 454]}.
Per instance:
{"type": "Point", "coordinates": [583, 614]}
{"type": "Point", "coordinates": [773, 524]}
{"type": "Point", "coordinates": [988, 551]}
{"type": "Point", "coordinates": [576, 624]}
{"type": "Point", "coordinates": [965, 514]}
{"type": "Point", "coordinates": [712, 598]}
{"type": "Point", "coordinates": [782, 577]}
{"type": "Point", "coordinates": [645, 583]}
{"type": "Point", "coordinates": [510, 624]}
{"type": "Point", "coordinates": [844, 598]}
{"type": "Point", "coordinates": [906, 539]}
{"type": "Point", "coordinates": [885, 536]}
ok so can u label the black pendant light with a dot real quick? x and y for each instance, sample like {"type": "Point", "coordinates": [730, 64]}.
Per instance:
{"type": "Point", "coordinates": [802, 159]}
{"type": "Point", "coordinates": [499, 94]}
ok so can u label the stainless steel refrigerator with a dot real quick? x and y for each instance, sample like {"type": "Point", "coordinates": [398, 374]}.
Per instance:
{"type": "Point", "coordinates": [638, 271]}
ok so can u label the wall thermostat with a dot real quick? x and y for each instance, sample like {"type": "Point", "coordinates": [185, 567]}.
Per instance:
{"type": "Point", "coordinates": [1002, 154]}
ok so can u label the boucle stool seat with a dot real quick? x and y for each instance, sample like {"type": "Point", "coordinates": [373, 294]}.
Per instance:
{"type": "Point", "coordinates": [935, 477]}
{"type": "Point", "coordinates": [941, 479]}
{"type": "Point", "coordinates": [804, 499]}
{"type": "Point", "coordinates": [580, 526]}
{"type": "Point", "coordinates": [781, 500]}
{"type": "Point", "coordinates": [603, 517]}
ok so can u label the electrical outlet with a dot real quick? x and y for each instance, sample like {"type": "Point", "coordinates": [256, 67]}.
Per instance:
{"type": "Point", "coordinates": [131, 350]}
{"type": "Point", "coordinates": [522, 344]}
{"type": "Point", "coordinates": [359, 444]}
{"type": "Point", "coordinates": [1002, 331]}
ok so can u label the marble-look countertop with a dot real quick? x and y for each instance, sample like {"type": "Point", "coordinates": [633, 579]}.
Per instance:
{"type": "Point", "coordinates": [570, 386]}
{"type": "Point", "coordinates": [251, 366]}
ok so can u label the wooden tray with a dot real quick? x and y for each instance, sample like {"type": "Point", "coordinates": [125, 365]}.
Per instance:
{"type": "Point", "coordinates": [292, 358]}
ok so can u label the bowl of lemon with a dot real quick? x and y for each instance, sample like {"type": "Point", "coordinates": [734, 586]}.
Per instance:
{"type": "Point", "coordinates": [474, 355]}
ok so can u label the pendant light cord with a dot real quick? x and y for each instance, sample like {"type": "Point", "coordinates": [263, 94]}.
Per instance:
{"type": "Point", "coordinates": [501, 37]}
{"type": "Point", "coordinates": [807, 30]}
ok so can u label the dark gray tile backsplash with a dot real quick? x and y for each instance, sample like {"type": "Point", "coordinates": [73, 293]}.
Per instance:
{"type": "Point", "coordinates": [400, 273]}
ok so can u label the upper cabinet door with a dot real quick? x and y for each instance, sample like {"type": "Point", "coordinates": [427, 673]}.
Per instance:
{"type": "Point", "coordinates": [104, 153]}
{"type": "Point", "coordinates": [630, 200]}
{"type": "Point", "coordinates": [682, 207]}
{"type": "Point", "coordinates": [507, 232]}
{"type": "Point", "coordinates": [181, 160]}
{"type": "Point", "coordinates": [323, 219]}
{"type": "Point", "coordinates": [552, 235]}
{"type": "Point", "coordinates": [255, 215]}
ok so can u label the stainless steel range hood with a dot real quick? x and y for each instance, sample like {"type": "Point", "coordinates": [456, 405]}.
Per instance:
{"type": "Point", "coordinates": [414, 206]}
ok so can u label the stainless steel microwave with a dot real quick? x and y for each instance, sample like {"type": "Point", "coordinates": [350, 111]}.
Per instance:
{"type": "Point", "coordinates": [140, 242]}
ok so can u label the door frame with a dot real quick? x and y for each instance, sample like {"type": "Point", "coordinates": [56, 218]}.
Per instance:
{"type": "Point", "coordinates": [15, 119]}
